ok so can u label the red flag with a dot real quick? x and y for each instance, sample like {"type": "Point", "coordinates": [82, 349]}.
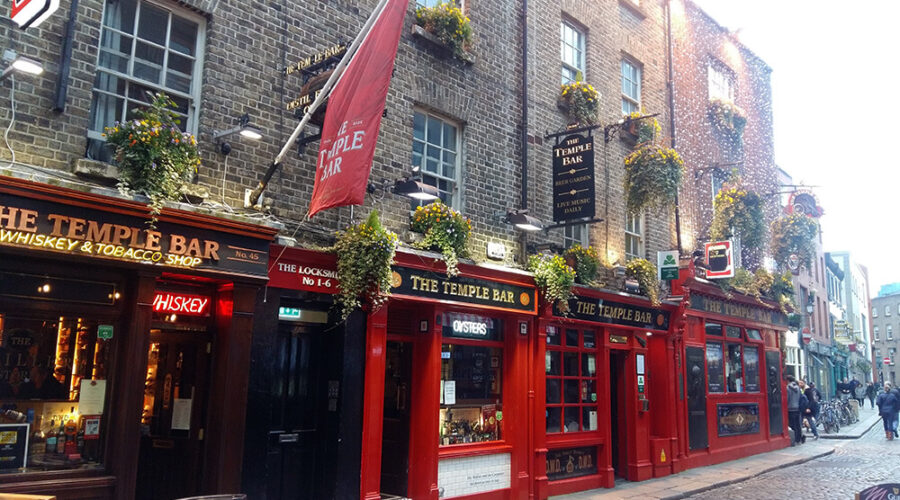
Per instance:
{"type": "Point", "coordinates": [354, 115]}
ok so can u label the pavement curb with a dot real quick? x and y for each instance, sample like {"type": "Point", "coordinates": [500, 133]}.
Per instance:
{"type": "Point", "coordinates": [850, 436]}
{"type": "Point", "coordinates": [751, 476]}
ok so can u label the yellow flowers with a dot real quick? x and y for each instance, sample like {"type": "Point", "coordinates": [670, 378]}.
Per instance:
{"type": "Point", "coordinates": [580, 100]}
{"type": "Point", "coordinates": [447, 22]}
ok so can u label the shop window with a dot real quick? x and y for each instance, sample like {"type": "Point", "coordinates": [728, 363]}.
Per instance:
{"type": "Point", "coordinates": [714, 368]}
{"type": "Point", "coordinates": [436, 145]}
{"type": "Point", "coordinates": [734, 373]}
{"type": "Point", "coordinates": [471, 385]}
{"type": "Point", "coordinates": [144, 48]}
{"type": "Point", "coordinates": [714, 329]}
{"type": "Point", "coordinates": [753, 334]}
{"type": "Point", "coordinates": [571, 380]}
{"type": "Point", "coordinates": [751, 368]}
{"type": "Point", "coordinates": [53, 373]}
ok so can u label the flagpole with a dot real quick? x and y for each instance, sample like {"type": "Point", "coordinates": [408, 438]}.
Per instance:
{"type": "Point", "coordinates": [326, 90]}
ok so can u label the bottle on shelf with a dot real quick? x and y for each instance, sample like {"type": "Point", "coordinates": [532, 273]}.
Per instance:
{"type": "Point", "coordinates": [37, 445]}
{"type": "Point", "coordinates": [61, 438]}
{"type": "Point", "coordinates": [51, 438]}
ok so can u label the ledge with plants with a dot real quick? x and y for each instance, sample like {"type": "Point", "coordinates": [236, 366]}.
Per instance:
{"type": "Point", "coordinates": [738, 211]}
{"type": "Point", "coordinates": [761, 284]}
{"type": "Point", "coordinates": [446, 231]}
{"type": "Point", "coordinates": [365, 253]}
{"type": "Point", "coordinates": [445, 27]}
{"type": "Point", "coordinates": [728, 119]}
{"type": "Point", "coordinates": [153, 155]}
{"type": "Point", "coordinates": [580, 101]}
{"type": "Point", "coordinates": [585, 262]}
{"type": "Point", "coordinates": [644, 272]}
{"type": "Point", "coordinates": [554, 278]}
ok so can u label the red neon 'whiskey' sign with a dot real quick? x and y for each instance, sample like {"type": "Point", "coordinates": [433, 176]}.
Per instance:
{"type": "Point", "coordinates": [179, 303]}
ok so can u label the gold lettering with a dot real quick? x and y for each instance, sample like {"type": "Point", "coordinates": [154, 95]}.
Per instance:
{"type": "Point", "coordinates": [99, 233]}
{"type": "Point", "coordinates": [57, 221]}
{"type": "Point", "coordinates": [177, 244]}
{"type": "Point", "coordinates": [76, 228]}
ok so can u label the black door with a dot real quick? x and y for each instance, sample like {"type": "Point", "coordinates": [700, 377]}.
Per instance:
{"type": "Point", "coordinates": [293, 457]}
{"type": "Point", "coordinates": [395, 431]}
{"type": "Point", "coordinates": [175, 394]}
{"type": "Point", "coordinates": [618, 442]}
{"type": "Point", "coordinates": [696, 393]}
{"type": "Point", "coordinates": [773, 379]}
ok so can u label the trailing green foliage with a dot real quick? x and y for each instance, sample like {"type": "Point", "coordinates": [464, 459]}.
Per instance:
{"type": "Point", "coordinates": [647, 130]}
{"type": "Point", "coordinates": [738, 210]}
{"type": "Point", "coordinates": [794, 234]}
{"type": "Point", "coordinates": [554, 278]}
{"type": "Point", "coordinates": [581, 101]}
{"type": "Point", "coordinates": [445, 230]}
{"type": "Point", "coordinates": [652, 177]}
{"type": "Point", "coordinates": [365, 253]}
{"type": "Point", "coordinates": [644, 272]}
{"type": "Point", "coordinates": [585, 262]}
{"type": "Point", "coordinates": [447, 22]}
{"type": "Point", "coordinates": [728, 118]}
{"type": "Point", "coordinates": [761, 284]}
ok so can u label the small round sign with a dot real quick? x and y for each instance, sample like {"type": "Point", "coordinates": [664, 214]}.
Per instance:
{"type": "Point", "coordinates": [807, 335]}
{"type": "Point", "coordinates": [794, 262]}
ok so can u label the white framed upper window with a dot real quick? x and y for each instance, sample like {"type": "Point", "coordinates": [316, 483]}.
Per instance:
{"type": "Point", "coordinates": [721, 84]}
{"type": "Point", "coordinates": [875, 333]}
{"type": "Point", "coordinates": [436, 146]}
{"type": "Point", "coordinates": [634, 236]}
{"type": "Point", "coordinates": [571, 51]}
{"type": "Point", "coordinates": [887, 310]}
{"type": "Point", "coordinates": [575, 234]}
{"type": "Point", "coordinates": [631, 87]}
{"type": "Point", "coordinates": [145, 47]}
{"type": "Point", "coordinates": [889, 332]}
{"type": "Point", "coordinates": [874, 312]}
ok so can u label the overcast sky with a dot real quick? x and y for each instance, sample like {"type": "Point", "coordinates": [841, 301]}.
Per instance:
{"type": "Point", "coordinates": [836, 111]}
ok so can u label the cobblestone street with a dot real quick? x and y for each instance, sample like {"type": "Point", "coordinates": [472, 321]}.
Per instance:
{"type": "Point", "coordinates": [854, 466]}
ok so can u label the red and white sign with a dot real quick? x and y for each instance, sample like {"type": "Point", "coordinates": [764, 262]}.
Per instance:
{"type": "Point", "coordinates": [179, 303]}
{"type": "Point", "coordinates": [807, 335]}
{"type": "Point", "coordinates": [886, 360]}
{"type": "Point", "coordinates": [30, 13]}
{"type": "Point", "coordinates": [720, 260]}
{"type": "Point", "coordinates": [353, 118]}
{"type": "Point", "coordinates": [299, 269]}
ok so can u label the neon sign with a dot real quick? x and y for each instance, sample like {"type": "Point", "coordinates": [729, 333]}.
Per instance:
{"type": "Point", "coordinates": [179, 303]}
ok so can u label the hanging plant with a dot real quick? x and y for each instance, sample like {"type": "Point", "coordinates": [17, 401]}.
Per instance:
{"type": "Point", "coordinates": [644, 272]}
{"type": "Point", "coordinates": [365, 253]}
{"type": "Point", "coordinates": [794, 234]}
{"type": "Point", "coordinates": [727, 118]}
{"type": "Point", "coordinates": [738, 211]}
{"type": "Point", "coordinates": [652, 177]}
{"type": "Point", "coordinates": [445, 230]}
{"type": "Point", "coordinates": [448, 24]}
{"type": "Point", "coordinates": [585, 262]}
{"type": "Point", "coordinates": [646, 130]}
{"type": "Point", "coordinates": [554, 278]}
{"type": "Point", "coordinates": [580, 101]}
{"type": "Point", "coordinates": [154, 156]}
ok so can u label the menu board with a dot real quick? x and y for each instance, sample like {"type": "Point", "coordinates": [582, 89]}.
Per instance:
{"type": "Point", "coordinates": [714, 367]}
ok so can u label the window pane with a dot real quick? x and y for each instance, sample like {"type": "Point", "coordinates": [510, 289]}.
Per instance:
{"type": "Point", "coordinates": [434, 131]}
{"type": "Point", "coordinates": [753, 334]}
{"type": "Point", "coordinates": [419, 126]}
{"type": "Point", "coordinates": [588, 391]}
{"type": "Point", "coordinates": [589, 418]}
{"type": "Point", "coordinates": [570, 364]}
{"type": "Point", "coordinates": [571, 391]}
{"type": "Point", "coordinates": [554, 423]}
{"type": "Point", "coordinates": [733, 369]}
{"type": "Point", "coordinates": [588, 365]}
{"type": "Point", "coordinates": [553, 391]}
{"type": "Point", "coordinates": [714, 329]}
{"type": "Point", "coordinates": [571, 337]}
{"type": "Point", "coordinates": [552, 362]}
{"type": "Point", "coordinates": [571, 417]}
{"type": "Point", "coordinates": [184, 36]}
{"type": "Point", "coordinates": [553, 335]}
{"type": "Point", "coordinates": [153, 24]}
{"type": "Point", "coordinates": [751, 365]}
{"type": "Point", "coordinates": [714, 367]}
{"type": "Point", "coordinates": [733, 332]}
{"type": "Point", "coordinates": [106, 110]}
{"type": "Point", "coordinates": [120, 15]}
{"type": "Point", "coordinates": [475, 372]}
{"type": "Point", "coordinates": [589, 339]}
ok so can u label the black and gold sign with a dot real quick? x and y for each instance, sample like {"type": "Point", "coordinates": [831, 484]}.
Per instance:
{"type": "Point", "coordinates": [463, 290]}
{"type": "Point", "coordinates": [616, 313]}
{"type": "Point", "coordinates": [573, 178]}
{"type": "Point", "coordinates": [53, 227]}
{"type": "Point", "coordinates": [308, 63]}
{"type": "Point", "coordinates": [571, 462]}
{"type": "Point", "coordinates": [743, 311]}
{"type": "Point", "coordinates": [737, 419]}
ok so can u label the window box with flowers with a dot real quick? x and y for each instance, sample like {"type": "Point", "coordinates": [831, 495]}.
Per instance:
{"type": "Point", "coordinates": [728, 119]}
{"type": "Point", "coordinates": [585, 262]}
{"type": "Point", "coordinates": [445, 230]}
{"type": "Point", "coordinates": [653, 175]}
{"type": "Point", "coordinates": [580, 101]}
{"type": "Point", "coordinates": [644, 272]}
{"type": "Point", "coordinates": [153, 155]}
{"type": "Point", "coordinates": [365, 253]}
{"type": "Point", "coordinates": [447, 29]}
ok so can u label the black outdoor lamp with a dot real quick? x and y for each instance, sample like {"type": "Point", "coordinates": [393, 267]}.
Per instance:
{"type": "Point", "coordinates": [243, 128]}
{"type": "Point", "coordinates": [20, 64]}
{"type": "Point", "coordinates": [410, 186]}
{"type": "Point", "coordinates": [523, 221]}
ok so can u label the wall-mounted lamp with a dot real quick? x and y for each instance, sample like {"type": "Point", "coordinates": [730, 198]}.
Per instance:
{"type": "Point", "coordinates": [20, 64]}
{"type": "Point", "coordinates": [523, 221]}
{"type": "Point", "coordinates": [416, 190]}
{"type": "Point", "coordinates": [244, 128]}
{"type": "Point", "coordinates": [620, 271]}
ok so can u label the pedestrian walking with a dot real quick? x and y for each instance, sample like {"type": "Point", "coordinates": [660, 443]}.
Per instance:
{"type": "Point", "coordinates": [887, 407]}
{"type": "Point", "coordinates": [845, 389]}
{"type": "Point", "coordinates": [896, 392]}
{"type": "Point", "coordinates": [793, 405]}
{"type": "Point", "coordinates": [859, 392]}
{"type": "Point", "coordinates": [811, 411]}
{"type": "Point", "coordinates": [870, 393]}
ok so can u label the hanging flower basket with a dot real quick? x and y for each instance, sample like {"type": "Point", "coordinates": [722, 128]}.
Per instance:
{"type": "Point", "coordinates": [449, 27]}
{"type": "Point", "coordinates": [154, 156]}
{"type": "Point", "coordinates": [739, 211]}
{"type": "Point", "coordinates": [585, 262]}
{"type": "Point", "coordinates": [554, 278]}
{"type": "Point", "coordinates": [644, 272]}
{"type": "Point", "coordinates": [794, 234]}
{"type": "Point", "coordinates": [638, 131]}
{"type": "Point", "coordinates": [728, 119]}
{"type": "Point", "coordinates": [445, 230]}
{"type": "Point", "coordinates": [365, 253]}
{"type": "Point", "coordinates": [653, 176]}
{"type": "Point", "coordinates": [580, 101]}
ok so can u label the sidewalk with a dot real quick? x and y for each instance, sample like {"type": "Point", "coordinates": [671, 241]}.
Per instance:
{"type": "Point", "coordinates": [697, 480]}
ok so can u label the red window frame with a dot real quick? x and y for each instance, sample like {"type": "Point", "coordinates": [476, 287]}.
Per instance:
{"type": "Point", "coordinates": [586, 385]}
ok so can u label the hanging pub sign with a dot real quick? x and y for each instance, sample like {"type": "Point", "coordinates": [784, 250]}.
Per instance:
{"type": "Point", "coordinates": [720, 260]}
{"type": "Point", "coordinates": [804, 202]}
{"type": "Point", "coordinates": [315, 70]}
{"type": "Point", "coordinates": [573, 178]}
{"type": "Point", "coordinates": [30, 13]}
{"type": "Point", "coordinates": [409, 282]}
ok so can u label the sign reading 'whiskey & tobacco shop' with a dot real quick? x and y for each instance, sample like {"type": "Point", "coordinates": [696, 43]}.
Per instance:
{"type": "Point", "coordinates": [463, 290]}
{"type": "Point", "coordinates": [573, 178]}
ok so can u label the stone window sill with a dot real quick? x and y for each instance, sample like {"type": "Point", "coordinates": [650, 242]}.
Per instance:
{"type": "Point", "coordinates": [439, 46]}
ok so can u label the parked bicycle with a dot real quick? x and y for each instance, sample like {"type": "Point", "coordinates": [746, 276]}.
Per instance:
{"type": "Point", "coordinates": [829, 417]}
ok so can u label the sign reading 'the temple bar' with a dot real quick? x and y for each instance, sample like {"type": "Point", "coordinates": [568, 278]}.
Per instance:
{"type": "Point", "coordinates": [463, 290]}
{"type": "Point", "coordinates": [616, 313]}
{"type": "Point", "coordinates": [573, 178]}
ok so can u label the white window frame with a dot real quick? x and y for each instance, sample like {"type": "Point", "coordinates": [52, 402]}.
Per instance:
{"type": "Point", "coordinates": [191, 121]}
{"type": "Point", "coordinates": [720, 82]}
{"type": "Point", "coordinates": [875, 333]}
{"type": "Point", "coordinates": [456, 181]}
{"type": "Point", "coordinates": [632, 74]}
{"type": "Point", "coordinates": [573, 38]}
{"type": "Point", "coordinates": [630, 233]}
{"type": "Point", "coordinates": [875, 312]}
{"type": "Point", "coordinates": [576, 233]}
{"type": "Point", "coordinates": [889, 332]}
{"type": "Point", "coordinates": [887, 311]}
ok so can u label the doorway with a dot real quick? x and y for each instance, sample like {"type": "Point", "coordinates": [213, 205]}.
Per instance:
{"type": "Point", "coordinates": [395, 428]}
{"type": "Point", "coordinates": [173, 416]}
{"type": "Point", "coordinates": [617, 411]}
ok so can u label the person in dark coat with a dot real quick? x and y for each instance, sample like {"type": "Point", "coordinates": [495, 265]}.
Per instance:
{"type": "Point", "coordinates": [887, 407]}
{"type": "Point", "coordinates": [811, 411]}
{"type": "Point", "coordinates": [793, 407]}
{"type": "Point", "coordinates": [870, 393]}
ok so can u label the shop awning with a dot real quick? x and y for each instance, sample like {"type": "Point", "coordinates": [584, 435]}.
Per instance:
{"type": "Point", "coordinates": [817, 360]}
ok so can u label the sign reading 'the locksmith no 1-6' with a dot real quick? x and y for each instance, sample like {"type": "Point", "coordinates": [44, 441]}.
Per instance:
{"type": "Point", "coordinates": [573, 178]}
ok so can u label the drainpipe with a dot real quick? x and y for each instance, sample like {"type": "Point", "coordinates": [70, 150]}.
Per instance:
{"type": "Point", "coordinates": [671, 88]}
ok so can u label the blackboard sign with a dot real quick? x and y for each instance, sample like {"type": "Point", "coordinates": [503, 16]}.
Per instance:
{"type": "Point", "coordinates": [737, 419]}
{"type": "Point", "coordinates": [573, 178]}
{"type": "Point", "coordinates": [13, 445]}
{"type": "Point", "coordinates": [715, 367]}
{"type": "Point", "coordinates": [571, 462]}
{"type": "Point", "coordinates": [880, 492]}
